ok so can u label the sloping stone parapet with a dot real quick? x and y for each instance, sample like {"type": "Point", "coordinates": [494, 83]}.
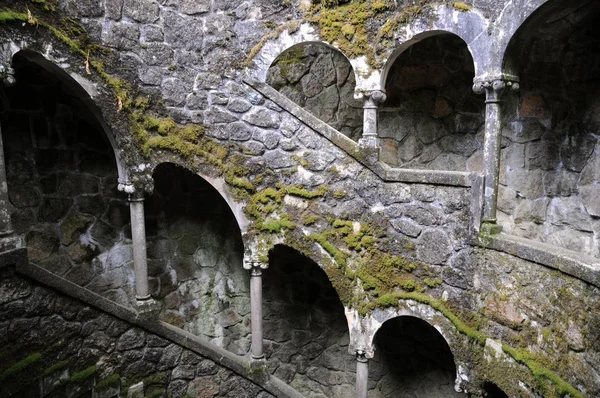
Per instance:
{"type": "Point", "coordinates": [571, 263]}
{"type": "Point", "coordinates": [174, 340]}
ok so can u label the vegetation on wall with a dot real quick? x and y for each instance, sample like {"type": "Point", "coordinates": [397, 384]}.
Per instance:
{"type": "Point", "coordinates": [365, 273]}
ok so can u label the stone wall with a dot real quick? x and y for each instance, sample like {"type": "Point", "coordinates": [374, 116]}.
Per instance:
{"type": "Point", "coordinates": [321, 80]}
{"type": "Point", "coordinates": [551, 155]}
{"type": "Point", "coordinates": [431, 118]}
{"type": "Point", "coordinates": [62, 183]}
{"type": "Point", "coordinates": [56, 346]}
{"type": "Point", "coordinates": [195, 259]}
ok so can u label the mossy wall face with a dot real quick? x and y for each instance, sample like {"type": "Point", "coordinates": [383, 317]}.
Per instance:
{"type": "Point", "coordinates": [372, 237]}
{"type": "Point", "coordinates": [53, 345]}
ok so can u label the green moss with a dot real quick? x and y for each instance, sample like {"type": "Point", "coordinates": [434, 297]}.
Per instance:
{"type": "Point", "coordinates": [340, 194]}
{"type": "Point", "coordinates": [82, 375]}
{"type": "Point", "coordinates": [20, 366]}
{"type": "Point", "coordinates": [432, 282]}
{"type": "Point", "coordinates": [541, 373]}
{"type": "Point", "coordinates": [108, 382]}
{"type": "Point", "coordinates": [308, 220]}
{"type": "Point", "coordinates": [306, 194]}
{"type": "Point", "coordinates": [273, 225]}
{"type": "Point", "coordinates": [56, 367]}
{"type": "Point", "coordinates": [339, 257]}
{"type": "Point", "coordinates": [459, 5]}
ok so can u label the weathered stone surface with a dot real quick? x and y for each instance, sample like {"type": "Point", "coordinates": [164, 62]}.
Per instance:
{"type": "Point", "coordinates": [141, 10]}
{"type": "Point", "coordinates": [433, 247]}
{"type": "Point", "coordinates": [192, 7]}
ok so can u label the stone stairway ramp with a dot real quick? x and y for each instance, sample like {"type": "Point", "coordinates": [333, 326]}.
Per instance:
{"type": "Point", "coordinates": [33, 376]}
{"type": "Point", "coordinates": [368, 157]}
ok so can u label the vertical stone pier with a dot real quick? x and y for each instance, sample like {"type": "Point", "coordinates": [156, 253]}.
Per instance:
{"type": "Point", "coordinates": [493, 89]}
{"type": "Point", "coordinates": [256, 267]}
{"type": "Point", "coordinates": [372, 100]}
{"type": "Point", "coordinates": [362, 374]}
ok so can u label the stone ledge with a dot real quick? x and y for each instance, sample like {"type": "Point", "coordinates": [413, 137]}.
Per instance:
{"type": "Point", "coordinates": [235, 363]}
{"type": "Point", "coordinates": [566, 261]}
{"type": "Point", "coordinates": [364, 156]}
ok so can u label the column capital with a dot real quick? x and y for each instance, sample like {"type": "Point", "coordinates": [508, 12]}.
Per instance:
{"type": "Point", "coordinates": [495, 87]}
{"type": "Point", "coordinates": [255, 266]}
{"type": "Point", "coordinates": [374, 97]}
{"type": "Point", "coordinates": [361, 356]}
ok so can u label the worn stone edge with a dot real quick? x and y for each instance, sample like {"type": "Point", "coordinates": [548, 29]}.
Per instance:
{"type": "Point", "coordinates": [568, 262]}
{"type": "Point", "coordinates": [237, 364]}
{"type": "Point", "coordinates": [383, 171]}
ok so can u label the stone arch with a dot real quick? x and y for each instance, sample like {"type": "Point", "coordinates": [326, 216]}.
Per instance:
{"type": "Point", "coordinates": [195, 258]}
{"type": "Point", "coordinates": [305, 330]}
{"type": "Point", "coordinates": [305, 34]}
{"type": "Point", "coordinates": [548, 177]}
{"type": "Point", "coordinates": [320, 79]}
{"type": "Point", "coordinates": [491, 390]}
{"type": "Point", "coordinates": [78, 87]}
{"type": "Point", "coordinates": [62, 180]}
{"type": "Point", "coordinates": [448, 20]}
{"type": "Point", "coordinates": [431, 118]}
{"type": "Point", "coordinates": [221, 187]}
{"type": "Point", "coordinates": [410, 350]}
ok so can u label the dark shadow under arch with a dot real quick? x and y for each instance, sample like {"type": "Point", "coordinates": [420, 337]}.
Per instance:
{"type": "Point", "coordinates": [412, 359]}
{"type": "Point", "coordinates": [47, 70]}
{"type": "Point", "coordinates": [305, 329]}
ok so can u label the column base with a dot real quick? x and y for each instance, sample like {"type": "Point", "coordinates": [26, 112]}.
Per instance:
{"type": "Point", "coordinates": [256, 363]}
{"type": "Point", "coordinates": [146, 306]}
{"type": "Point", "coordinates": [368, 141]}
{"type": "Point", "coordinates": [490, 228]}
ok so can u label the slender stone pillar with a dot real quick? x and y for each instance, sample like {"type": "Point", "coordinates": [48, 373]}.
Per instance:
{"type": "Point", "coordinates": [256, 268]}
{"type": "Point", "coordinates": [138, 237]}
{"type": "Point", "coordinates": [493, 90]}
{"type": "Point", "coordinates": [369, 136]}
{"type": "Point", "coordinates": [5, 222]}
{"type": "Point", "coordinates": [362, 375]}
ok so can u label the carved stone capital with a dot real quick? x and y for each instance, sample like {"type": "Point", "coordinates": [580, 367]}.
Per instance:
{"type": "Point", "coordinates": [374, 97]}
{"type": "Point", "coordinates": [255, 266]}
{"type": "Point", "coordinates": [361, 356]}
{"type": "Point", "coordinates": [494, 88]}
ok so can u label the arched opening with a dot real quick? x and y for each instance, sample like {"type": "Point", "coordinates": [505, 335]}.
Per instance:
{"type": "Point", "coordinates": [305, 329]}
{"type": "Point", "coordinates": [431, 118]}
{"type": "Point", "coordinates": [321, 80]}
{"type": "Point", "coordinates": [62, 179]}
{"type": "Point", "coordinates": [195, 255]}
{"type": "Point", "coordinates": [549, 176]}
{"type": "Point", "coordinates": [412, 359]}
{"type": "Point", "coordinates": [491, 390]}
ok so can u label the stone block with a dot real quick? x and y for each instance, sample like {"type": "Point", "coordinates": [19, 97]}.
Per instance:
{"type": "Point", "coordinates": [145, 11]}
{"type": "Point", "coordinates": [42, 242]}
{"type": "Point", "coordinates": [192, 7]}
{"type": "Point", "coordinates": [389, 151]}
{"type": "Point", "coordinates": [590, 196]}
{"type": "Point", "coordinates": [533, 105]}
{"type": "Point", "coordinates": [542, 155]}
{"type": "Point", "coordinates": [183, 32]}
{"type": "Point", "coordinates": [433, 247]}
{"type": "Point", "coordinates": [122, 36]}
{"type": "Point", "coordinates": [528, 183]}
{"type": "Point", "coordinates": [73, 226]}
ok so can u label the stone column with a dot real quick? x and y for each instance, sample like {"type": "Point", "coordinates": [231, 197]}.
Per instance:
{"type": "Point", "coordinates": [5, 222]}
{"type": "Point", "coordinates": [369, 136]}
{"type": "Point", "coordinates": [493, 89]}
{"type": "Point", "coordinates": [362, 374]}
{"type": "Point", "coordinates": [256, 268]}
{"type": "Point", "coordinates": [138, 238]}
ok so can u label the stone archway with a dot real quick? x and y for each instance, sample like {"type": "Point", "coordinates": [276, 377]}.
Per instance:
{"type": "Point", "coordinates": [549, 166]}
{"type": "Point", "coordinates": [431, 118]}
{"type": "Point", "coordinates": [305, 330]}
{"type": "Point", "coordinates": [321, 80]}
{"type": "Point", "coordinates": [195, 253]}
{"type": "Point", "coordinates": [62, 172]}
{"type": "Point", "coordinates": [411, 359]}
